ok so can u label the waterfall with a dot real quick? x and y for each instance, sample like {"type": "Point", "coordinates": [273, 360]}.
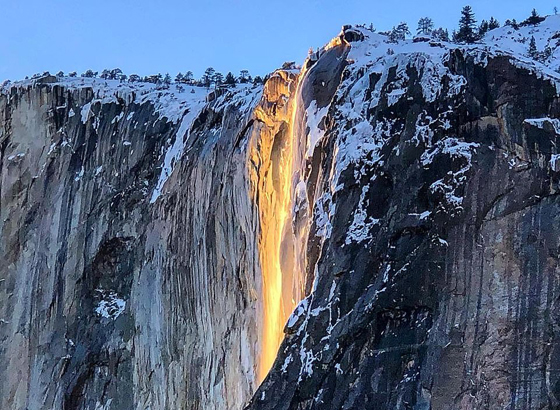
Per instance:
{"type": "Point", "coordinates": [283, 230]}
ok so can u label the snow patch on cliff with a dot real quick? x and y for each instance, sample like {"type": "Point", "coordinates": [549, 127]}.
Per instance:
{"type": "Point", "coordinates": [360, 228]}
{"type": "Point", "coordinates": [315, 116]}
{"type": "Point", "coordinates": [175, 151]}
{"type": "Point", "coordinates": [516, 42]}
{"type": "Point", "coordinates": [86, 109]}
{"type": "Point", "coordinates": [111, 306]}
{"type": "Point", "coordinates": [542, 122]}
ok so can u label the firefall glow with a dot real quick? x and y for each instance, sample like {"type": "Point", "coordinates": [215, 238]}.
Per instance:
{"type": "Point", "coordinates": [281, 293]}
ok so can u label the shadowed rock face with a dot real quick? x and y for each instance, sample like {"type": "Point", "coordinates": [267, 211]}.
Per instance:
{"type": "Point", "coordinates": [424, 233]}
{"type": "Point", "coordinates": [106, 300]}
{"type": "Point", "coordinates": [447, 296]}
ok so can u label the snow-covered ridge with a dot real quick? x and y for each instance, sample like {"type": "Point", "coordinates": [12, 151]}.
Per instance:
{"type": "Point", "coordinates": [170, 103]}
{"type": "Point", "coordinates": [376, 54]}
{"type": "Point", "coordinates": [516, 42]}
{"type": "Point", "coordinates": [178, 103]}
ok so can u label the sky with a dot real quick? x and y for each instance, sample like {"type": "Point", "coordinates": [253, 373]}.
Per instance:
{"type": "Point", "coordinates": [151, 36]}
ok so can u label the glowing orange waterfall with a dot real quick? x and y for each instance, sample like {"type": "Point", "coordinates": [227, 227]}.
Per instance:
{"type": "Point", "coordinates": [282, 287]}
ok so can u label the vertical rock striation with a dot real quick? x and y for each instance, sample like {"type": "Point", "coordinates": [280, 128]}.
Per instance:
{"type": "Point", "coordinates": [125, 285]}
{"type": "Point", "coordinates": [433, 244]}
{"type": "Point", "coordinates": [399, 198]}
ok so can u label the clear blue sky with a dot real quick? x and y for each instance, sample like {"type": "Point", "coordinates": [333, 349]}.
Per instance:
{"type": "Point", "coordinates": [150, 36]}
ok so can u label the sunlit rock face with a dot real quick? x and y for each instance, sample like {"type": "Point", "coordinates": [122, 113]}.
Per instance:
{"type": "Point", "coordinates": [379, 229]}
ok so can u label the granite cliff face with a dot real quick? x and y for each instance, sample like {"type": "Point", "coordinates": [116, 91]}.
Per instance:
{"type": "Point", "coordinates": [116, 294]}
{"type": "Point", "coordinates": [400, 199]}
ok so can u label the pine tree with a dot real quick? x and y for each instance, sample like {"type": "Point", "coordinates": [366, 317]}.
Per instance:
{"type": "Point", "coordinates": [493, 24]}
{"type": "Point", "coordinates": [399, 33]}
{"type": "Point", "coordinates": [218, 79]}
{"type": "Point", "coordinates": [547, 53]}
{"type": "Point", "coordinates": [441, 34]}
{"type": "Point", "coordinates": [533, 53]}
{"type": "Point", "coordinates": [179, 78]}
{"type": "Point", "coordinates": [483, 28]}
{"type": "Point", "coordinates": [257, 80]}
{"type": "Point", "coordinates": [188, 77]}
{"type": "Point", "coordinates": [167, 79]}
{"type": "Point", "coordinates": [455, 36]}
{"type": "Point", "coordinates": [115, 73]}
{"type": "Point", "coordinates": [244, 76]}
{"type": "Point", "coordinates": [533, 20]}
{"type": "Point", "coordinates": [425, 26]}
{"type": "Point", "coordinates": [208, 77]}
{"type": "Point", "coordinates": [89, 74]}
{"type": "Point", "coordinates": [467, 25]}
{"type": "Point", "coordinates": [230, 79]}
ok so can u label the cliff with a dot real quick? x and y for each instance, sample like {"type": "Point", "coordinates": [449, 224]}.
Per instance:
{"type": "Point", "coordinates": [399, 199]}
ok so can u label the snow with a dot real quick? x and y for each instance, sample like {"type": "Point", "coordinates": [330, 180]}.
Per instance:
{"type": "Point", "coordinates": [111, 306]}
{"type": "Point", "coordinates": [516, 43]}
{"type": "Point", "coordinates": [450, 146]}
{"type": "Point", "coordinates": [361, 141]}
{"type": "Point", "coordinates": [359, 230]}
{"type": "Point", "coordinates": [85, 112]}
{"type": "Point", "coordinates": [314, 117]}
{"type": "Point", "coordinates": [540, 123]}
{"type": "Point", "coordinates": [170, 103]}
{"type": "Point", "coordinates": [174, 104]}
{"type": "Point", "coordinates": [244, 97]}
{"type": "Point", "coordinates": [118, 118]}
{"type": "Point", "coordinates": [323, 213]}
{"type": "Point", "coordinates": [105, 406]}
{"type": "Point", "coordinates": [176, 149]}
{"type": "Point", "coordinates": [287, 361]}
{"type": "Point", "coordinates": [298, 312]}
{"type": "Point", "coordinates": [17, 156]}
{"type": "Point", "coordinates": [80, 174]}
{"type": "Point", "coordinates": [425, 214]}
{"type": "Point", "coordinates": [555, 162]}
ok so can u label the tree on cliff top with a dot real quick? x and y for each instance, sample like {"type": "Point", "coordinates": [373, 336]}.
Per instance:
{"type": "Point", "coordinates": [533, 20]}
{"type": "Point", "coordinates": [399, 33]}
{"type": "Point", "coordinates": [230, 79]}
{"type": "Point", "coordinates": [208, 77]}
{"type": "Point", "coordinates": [467, 27]}
{"type": "Point", "coordinates": [493, 24]}
{"type": "Point", "coordinates": [425, 26]}
{"type": "Point", "coordinates": [218, 79]}
{"type": "Point", "coordinates": [244, 76]}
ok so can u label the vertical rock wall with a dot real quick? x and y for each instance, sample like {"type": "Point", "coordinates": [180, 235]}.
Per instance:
{"type": "Point", "coordinates": [108, 301]}
{"type": "Point", "coordinates": [434, 241]}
